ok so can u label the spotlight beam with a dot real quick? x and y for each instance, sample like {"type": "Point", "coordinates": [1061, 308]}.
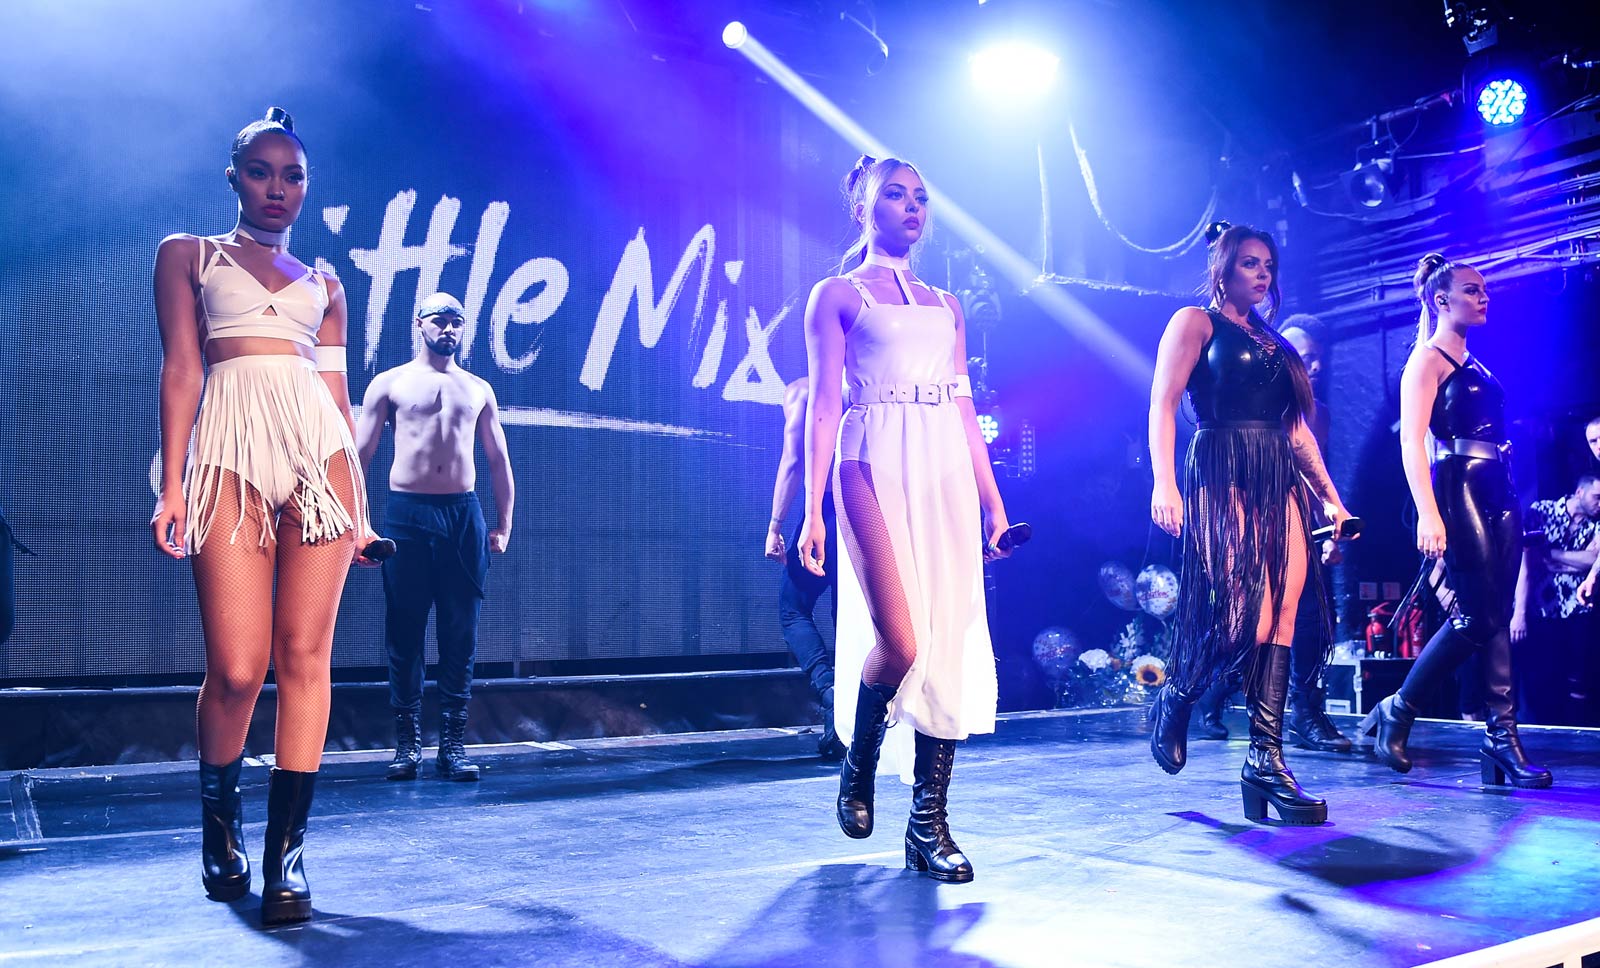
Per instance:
{"type": "Point", "coordinates": [1125, 359]}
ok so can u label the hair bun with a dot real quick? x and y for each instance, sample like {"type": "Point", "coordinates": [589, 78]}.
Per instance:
{"type": "Point", "coordinates": [856, 173]}
{"type": "Point", "coordinates": [277, 115]}
{"type": "Point", "coordinates": [1215, 229]}
{"type": "Point", "coordinates": [1431, 261]}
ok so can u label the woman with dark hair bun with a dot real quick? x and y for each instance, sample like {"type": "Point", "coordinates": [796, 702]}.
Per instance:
{"type": "Point", "coordinates": [267, 502]}
{"type": "Point", "coordinates": [913, 483]}
{"type": "Point", "coordinates": [1251, 473]}
{"type": "Point", "coordinates": [1467, 513]}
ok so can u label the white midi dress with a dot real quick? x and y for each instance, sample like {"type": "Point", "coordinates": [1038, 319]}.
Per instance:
{"type": "Point", "coordinates": [903, 421]}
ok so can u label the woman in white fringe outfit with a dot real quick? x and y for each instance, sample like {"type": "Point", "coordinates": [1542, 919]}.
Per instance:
{"type": "Point", "coordinates": [913, 486]}
{"type": "Point", "coordinates": [267, 495]}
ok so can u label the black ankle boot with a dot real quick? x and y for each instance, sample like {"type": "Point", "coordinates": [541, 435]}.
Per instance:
{"type": "Point", "coordinates": [828, 745]}
{"type": "Point", "coordinates": [856, 773]}
{"type": "Point", "coordinates": [1169, 726]}
{"type": "Point", "coordinates": [1212, 704]}
{"type": "Point", "coordinates": [285, 893]}
{"type": "Point", "coordinates": [929, 847]}
{"type": "Point", "coordinates": [453, 763]}
{"type": "Point", "coordinates": [407, 746]}
{"type": "Point", "coordinates": [1266, 778]}
{"type": "Point", "coordinates": [1309, 723]}
{"type": "Point", "coordinates": [1501, 758]}
{"type": "Point", "coordinates": [1389, 725]}
{"type": "Point", "coordinates": [1390, 721]}
{"type": "Point", "coordinates": [224, 866]}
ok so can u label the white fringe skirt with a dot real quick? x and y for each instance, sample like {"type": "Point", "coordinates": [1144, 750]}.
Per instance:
{"type": "Point", "coordinates": [272, 422]}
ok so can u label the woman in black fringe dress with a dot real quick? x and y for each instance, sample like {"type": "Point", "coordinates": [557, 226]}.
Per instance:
{"type": "Point", "coordinates": [1252, 471]}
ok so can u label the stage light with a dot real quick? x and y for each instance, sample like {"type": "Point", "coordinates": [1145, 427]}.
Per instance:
{"type": "Point", "coordinates": [1369, 183]}
{"type": "Point", "coordinates": [1014, 70]}
{"type": "Point", "coordinates": [1502, 101]}
{"type": "Point", "coordinates": [989, 427]}
{"type": "Point", "coordinates": [735, 34]}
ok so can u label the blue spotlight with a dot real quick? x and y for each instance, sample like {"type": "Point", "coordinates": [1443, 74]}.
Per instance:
{"type": "Point", "coordinates": [1015, 71]}
{"type": "Point", "coordinates": [1502, 102]}
{"type": "Point", "coordinates": [989, 427]}
{"type": "Point", "coordinates": [735, 34]}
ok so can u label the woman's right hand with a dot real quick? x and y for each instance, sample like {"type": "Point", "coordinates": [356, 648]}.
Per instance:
{"type": "Point", "coordinates": [1166, 508]}
{"type": "Point", "coordinates": [1586, 591]}
{"type": "Point", "coordinates": [1430, 535]}
{"type": "Point", "coordinates": [167, 523]}
{"type": "Point", "coordinates": [813, 546]}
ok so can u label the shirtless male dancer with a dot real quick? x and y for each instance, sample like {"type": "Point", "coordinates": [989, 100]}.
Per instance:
{"type": "Point", "coordinates": [433, 515]}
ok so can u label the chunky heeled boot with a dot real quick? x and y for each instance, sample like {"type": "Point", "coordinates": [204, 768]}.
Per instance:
{"type": "Point", "coordinates": [407, 746]}
{"type": "Point", "coordinates": [1212, 704]}
{"type": "Point", "coordinates": [1309, 724]}
{"type": "Point", "coordinates": [1266, 778]}
{"type": "Point", "coordinates": [1501, 758]}
{"type": "Point", "coordinates": [285, 892]}
{"type": "Point", "coordinates": [1389, 723]}
{"type": "Point", "coordinates": [224, 866]}
{"type": "Point", "coordinates": [1169, 726]}
{"type": "Point", "coordinates": [929, 847]}
{"type": "Point", "coordinates": [856, 773]}
{"type": "Point", "coordinates": [453, 763]}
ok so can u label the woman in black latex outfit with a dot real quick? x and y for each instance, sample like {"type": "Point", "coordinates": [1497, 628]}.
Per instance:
{"type": "Point", "coordinates": [1252, 471]}
{"type": "Point", "coordinates": [1467, 514]}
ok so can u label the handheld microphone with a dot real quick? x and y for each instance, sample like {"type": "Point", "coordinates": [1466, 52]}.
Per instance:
{"type": "Point", "coordinates": [380, 549]}
{"type": "Point", "coordinates": [1017, 534]}
{"type": "Point", "coordinates": [1347, 530]}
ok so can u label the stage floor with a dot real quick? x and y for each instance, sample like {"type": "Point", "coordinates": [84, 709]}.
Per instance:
{"type": "Point", "coordinates": [721, 850]}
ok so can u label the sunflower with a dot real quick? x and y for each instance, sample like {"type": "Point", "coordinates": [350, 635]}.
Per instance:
{"type": "Point", "coordinates": [1149, 670]}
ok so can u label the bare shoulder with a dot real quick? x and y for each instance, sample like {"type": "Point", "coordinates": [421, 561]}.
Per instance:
{"type": "Point", "coordinates": [178, 245]}
{"type": "Point", "coordinates": [1189, 320]}
{"type": "Point", "coordinates": [1426, 365]}
{"type": "Point", "coordinates": [478, 384]}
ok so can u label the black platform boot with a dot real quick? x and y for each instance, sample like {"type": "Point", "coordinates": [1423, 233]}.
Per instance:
{"type": "Point", "coordinates": [929, 847]}
{"type": "Point", "coordinates": [1169, 726]}
{"type": "Point", "coordinates": [1389, 723]}
{"type": "Point", "coordinates": [285, 893]}
{"type": "Point", "coordinates": [1212, 703]}
{"type": "Point", "coordinates": [856, 773]}
{"type": "Point", "coordinates": [453, 763]}
{"type": "Point", "coordinates": [407, 746]}
{"type": "Point", "coordinates": [1309, 724]}
{"type": "Point", "coordinates": [1501, 758]}
{"type": "Point", "coordinates": [1266, 778]}
{"type": "Point", "coordinates": [224, 866]}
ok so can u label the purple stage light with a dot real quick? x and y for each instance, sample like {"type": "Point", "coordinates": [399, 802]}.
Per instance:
{"type": "Point", "coordinates": [1502, 102]}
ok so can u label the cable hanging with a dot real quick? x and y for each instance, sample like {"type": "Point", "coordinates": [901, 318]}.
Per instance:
{"type": "Point", "coordinates": [1194, 237]}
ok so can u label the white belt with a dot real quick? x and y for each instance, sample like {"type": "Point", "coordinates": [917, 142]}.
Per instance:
{"type": "Point", "coordinates": [1467, 447]}
{"type": "Point", "coordinates": [934, 393]}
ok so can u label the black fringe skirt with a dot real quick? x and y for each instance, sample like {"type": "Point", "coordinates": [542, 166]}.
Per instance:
{"type": "Point", "coordinates": [1239, 481]}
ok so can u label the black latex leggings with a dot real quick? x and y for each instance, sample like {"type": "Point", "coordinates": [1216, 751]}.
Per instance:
{"type": "Point", "coordinates": [1483, 545]}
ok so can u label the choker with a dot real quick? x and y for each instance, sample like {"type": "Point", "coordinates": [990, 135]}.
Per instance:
{"type": "Point", "coordinates": [887, 261]}
{"type": "Point", "coordinates": [261, 236]}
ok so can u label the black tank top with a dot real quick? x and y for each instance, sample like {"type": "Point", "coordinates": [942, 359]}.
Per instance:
{"type": "Point", "coordinates": [1241, 376]}
{"type": "Point", "coordinates": [1471, 404]}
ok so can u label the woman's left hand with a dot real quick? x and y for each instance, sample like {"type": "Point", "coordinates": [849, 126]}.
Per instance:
{"type": "Point", "coordinates": [362, 541]}
{"type": "Point", "coordinates": [995, 525]}
{"type": "Point", "coordinates": [1337, 514]}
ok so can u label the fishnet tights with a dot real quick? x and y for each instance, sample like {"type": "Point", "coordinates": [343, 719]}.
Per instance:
{"type": "Point", "coordinates": [245, 625]}
{"type": "Point", "coordinates": [871, 551]}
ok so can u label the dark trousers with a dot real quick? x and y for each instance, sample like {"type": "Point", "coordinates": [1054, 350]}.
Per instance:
{"type": "Point", "coordinates": [797, 604]}
{"type": "Point", "coordinates": [1555, 668]}
{"type": "Point", "coordinates": [441, 563]}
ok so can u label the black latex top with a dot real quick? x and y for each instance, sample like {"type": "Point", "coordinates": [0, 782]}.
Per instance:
{"type": "Point", "coordinates": [1470, 404]}
{"type": "Point", "coordinates": [1241, 376]}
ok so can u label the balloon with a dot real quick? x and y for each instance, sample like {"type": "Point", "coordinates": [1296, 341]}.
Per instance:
{"type": "Point", "coordinates": [1054, 648]}
{"type": "Point", "coordinates": [1116, 581]}
{"type": "Point", "coordinates": [1158, 591]}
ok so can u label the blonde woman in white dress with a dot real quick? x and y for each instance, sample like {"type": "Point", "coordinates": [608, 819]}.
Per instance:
{"type": "Point", "coordinates": [913, 486]}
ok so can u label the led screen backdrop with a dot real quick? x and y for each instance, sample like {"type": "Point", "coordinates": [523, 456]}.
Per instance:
{"type": "Point", "coordinates": [633, 232]}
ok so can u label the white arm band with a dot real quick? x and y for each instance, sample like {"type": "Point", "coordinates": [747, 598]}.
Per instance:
{"type": "Point", "coordinates": [330, 359]}
{"type": "Point", "coordinates": [961, 386]}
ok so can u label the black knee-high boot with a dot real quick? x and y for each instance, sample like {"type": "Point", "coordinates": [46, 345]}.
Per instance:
{"type": "Point", "coordinates": [929, 847]}
{"type": "Point", "coordinates": [861, 761]}
{"type": "Point", "coordinates": [1502, 757]}
{"type": "Point", "coordinates": [1169, 726]}
{"type": "Point", "coordinates": [224, 865]}
{"type": "Point", "coordinates": [1266, 778]}
{"type": "Point", "coordinates": [285, 892]}
{"type": "Point", "coordinates": [1390, 721]}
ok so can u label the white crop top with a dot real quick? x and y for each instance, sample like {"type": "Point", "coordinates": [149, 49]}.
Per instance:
{"type": "Point", "coordinates": [232, 302]}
